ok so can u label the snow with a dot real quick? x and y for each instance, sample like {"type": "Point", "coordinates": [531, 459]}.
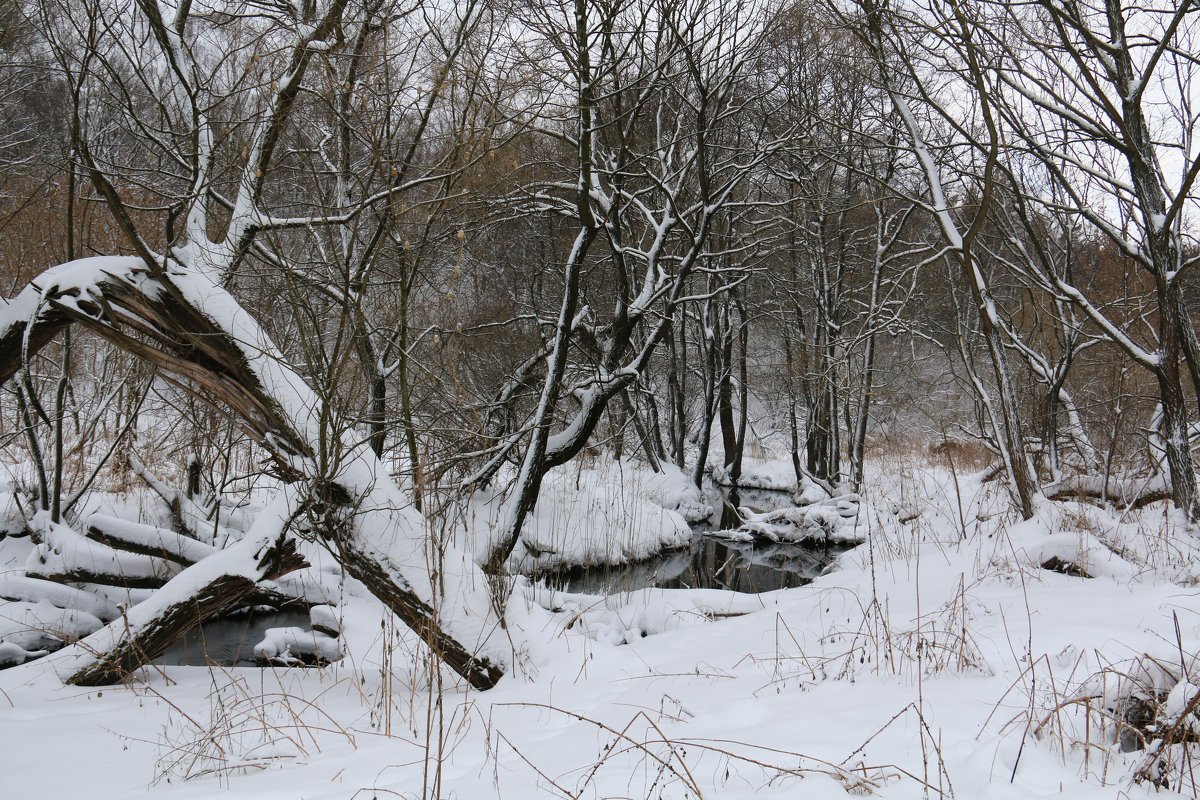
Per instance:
{"type": "Point", "coordinates": [938, 654]}
{"type": "Point", "coordinates": [608, 512]}
{"type": "Point", "coordinates": [297, 646]}
{"type": "Point", "coordinates": [775, 475]}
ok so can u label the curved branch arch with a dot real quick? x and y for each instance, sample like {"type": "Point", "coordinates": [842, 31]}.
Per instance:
{"type": "Point", "coordinates": [207, 343]}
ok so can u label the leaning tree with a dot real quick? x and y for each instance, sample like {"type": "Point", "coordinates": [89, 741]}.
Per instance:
{"type": "Point", "coordinates": [199, 113]}
{"type": "Point", "coordinates": [242, 138]}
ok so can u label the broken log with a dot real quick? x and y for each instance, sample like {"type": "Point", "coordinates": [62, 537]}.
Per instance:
{"type": "Point", "coordinates": [181, 321]}
{"type": "Point", "coordinates": [208, 589]}
{"type": "Point", "coordinates": [146, 540]}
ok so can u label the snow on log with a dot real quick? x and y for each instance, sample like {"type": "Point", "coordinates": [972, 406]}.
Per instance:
{"type": "Point", "coordinates": [194, 330]}
{"type": "Point", "coordinates": [117, 296]}
{"type": "Point", "coordinates": [1121, 492]}
{"type": "Point", "coordinates": [66, 557]}
{"type": "Point", "coordinates": [301, 589]}
{"type": "Point", "coordinates": [203, 591]}
{"type": "Point", "coordinates": [146, 540]}
{"type": "Point", "coordinates": [472, 656]}
{"type": "Point", "coordinates": [32, 590]}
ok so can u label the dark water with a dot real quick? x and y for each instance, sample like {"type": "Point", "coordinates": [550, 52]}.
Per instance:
{"type": "Point", "coordinates": [712, 562]}
{"type": "Point", "coordinates": [229, 642]}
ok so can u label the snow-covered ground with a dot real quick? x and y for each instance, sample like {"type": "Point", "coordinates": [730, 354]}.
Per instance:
{"type": "Point", "coordinates": [939, 659]}
{"type": "Point", "coordinates": [607, 512]}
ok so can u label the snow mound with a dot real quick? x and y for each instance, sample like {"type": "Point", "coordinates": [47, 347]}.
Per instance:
{"type": "Point", "coordinates": [606, 513]}
{"type": "Point", "coordinates": [39, 627]}
{"type": "Point", "coordinates": [589, 518]}
{"type": "Point", "coordinates": [291, 646]}
{"type": "Point", "coordinates": [626, 618]}
{"type": "Point", "coordinates": [775, 474]}
{"type": "Point", "coordinates": [325, 619]}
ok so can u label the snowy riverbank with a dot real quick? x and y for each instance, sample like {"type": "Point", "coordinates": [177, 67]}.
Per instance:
{"type": "Point", "coordinates": [940, 655]}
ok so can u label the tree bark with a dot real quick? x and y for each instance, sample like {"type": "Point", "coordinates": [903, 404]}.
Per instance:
{"type": "Point", "coordinates": [196, 595]}
{"type": "Point", "coordinates": [209, 345]}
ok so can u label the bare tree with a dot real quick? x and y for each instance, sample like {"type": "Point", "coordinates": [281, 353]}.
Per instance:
{"type": "Point", "coordinates": [227, 198]}
{"type": "Point", "coordinates": [655, 99]}
{"type": "Point", "coordinates": [1087, 119]}
{"type": "Point", "coordinates": [890, 39]}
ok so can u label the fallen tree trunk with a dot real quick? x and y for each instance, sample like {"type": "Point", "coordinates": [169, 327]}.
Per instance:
{"type": "Point", "coordinates": [66, 557]}
{"type": "Point", "coordinates": [1127, 493]}
{"type": "Point", "coordinates": [188, 549]}
{"type": "Point", "coordinates": [20, 588]}
{"type": "Point", "coordinates": [122, 580]}
{"type": "Point", "coordinates": [380, 578]}
{"type": "Point", "coordinates": [212, 587]}
{"type": "Point", "coordinates": [208, 344]}
{"type": "Point", "coordinates": [146, 540]}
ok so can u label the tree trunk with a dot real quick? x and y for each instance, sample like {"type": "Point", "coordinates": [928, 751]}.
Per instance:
{"type": "Point", "coordinates": [735, 470]}
{"type": "Point", "coordinates": [1175, 428]}
{"type": "Point", "coordinates": [710, 398]}
{"type": "Point", "coordinates": [729, 440]}
{"type": "Point", "coordinates": [524, 493]}
{"type": "Point", "coordinates": [202, 339]}
{"type": "Point", "coordinates": [199, 593]}
{"type": "Point", "coordinates": [858, 442]}
{"type": "Point", "coordinates": [676, 389]}
{"type": "Point", "coordinates": [793, 423]}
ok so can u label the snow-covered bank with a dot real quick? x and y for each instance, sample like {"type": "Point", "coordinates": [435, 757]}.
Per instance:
{"type": "Point", "coordinates": [610, 512]}
{"type": "Point", "coordinates": [617, 512]}
{"type": "Point", "coordinates": [939, 659]}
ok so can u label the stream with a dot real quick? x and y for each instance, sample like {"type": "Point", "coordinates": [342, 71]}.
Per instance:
{"type": "Point", "coordinates": [710, 562]}
{"type": "Point", "coordinates": [229, 642]}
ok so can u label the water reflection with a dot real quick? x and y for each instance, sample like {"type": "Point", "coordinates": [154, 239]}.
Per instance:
{"type": "Point", "coordinates": [710, 563]}
{"type": "Point", "coordinates": [229, 642]}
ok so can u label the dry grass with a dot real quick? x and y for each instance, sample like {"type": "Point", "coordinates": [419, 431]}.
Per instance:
{"type": "Point", "coordinates": [246, 729]}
